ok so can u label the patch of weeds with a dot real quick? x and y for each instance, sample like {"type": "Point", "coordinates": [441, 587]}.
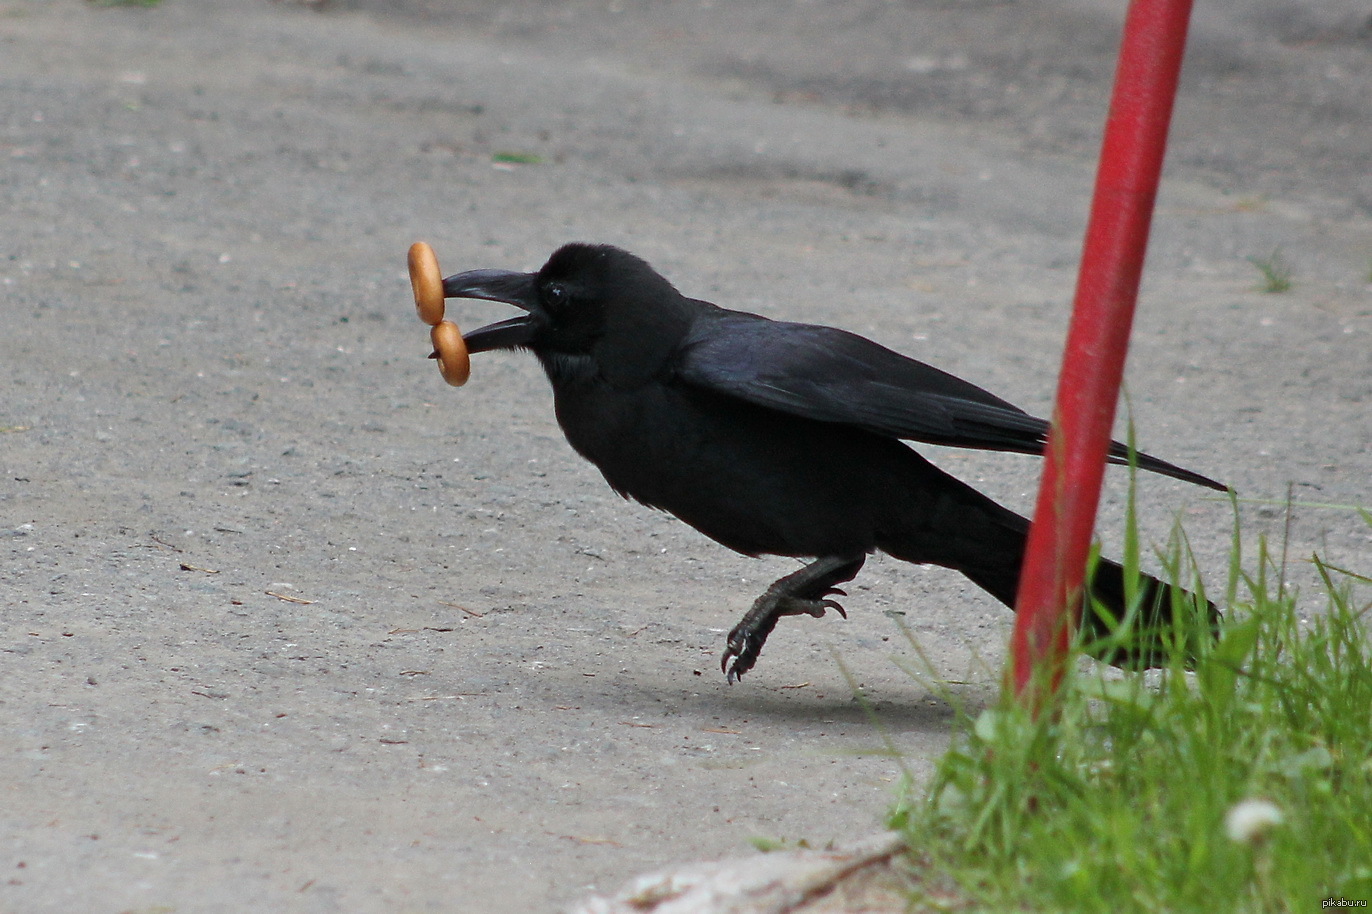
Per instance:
{"type": "Point", "coordinates": [507, 157]}
{"type": "Point", "coordinates": [1276, 272]}
{"type": "Point", "coordinates": [767, 844]}
{"type": "Point", "coordinates": [1244, 785]}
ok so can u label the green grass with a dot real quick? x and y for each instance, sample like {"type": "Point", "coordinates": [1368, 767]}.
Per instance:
{"type": "Point", "coordinates": [509, 157]}
{"type": "Point", "coordinates": [1120, 799]}
{"type": "Point", "coordinates": [1276, 272]}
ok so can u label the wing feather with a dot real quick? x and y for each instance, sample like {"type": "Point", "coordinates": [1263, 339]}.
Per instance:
{"type": "Point", "coordinates": [831, 375]}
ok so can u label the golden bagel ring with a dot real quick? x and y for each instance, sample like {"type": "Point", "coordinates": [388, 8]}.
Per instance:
{"type": "Point", "coordinates": [450, 350]}
{"type": "Point", "coordinates": [427, 283]}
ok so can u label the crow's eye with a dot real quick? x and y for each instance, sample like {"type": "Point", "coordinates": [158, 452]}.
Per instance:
{"type": "Point", "coordinates": [555, 295]}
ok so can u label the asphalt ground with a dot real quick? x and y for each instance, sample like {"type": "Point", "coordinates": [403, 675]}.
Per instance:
{"type": "Point", "coordinates": [290, 625]}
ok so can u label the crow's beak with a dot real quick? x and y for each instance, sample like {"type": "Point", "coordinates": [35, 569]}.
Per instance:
{"type": "Point", "coordinates": [516, 289]}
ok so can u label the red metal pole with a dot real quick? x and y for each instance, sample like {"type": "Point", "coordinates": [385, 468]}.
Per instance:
{"type": "Point", "coordinates": [1135, 139]}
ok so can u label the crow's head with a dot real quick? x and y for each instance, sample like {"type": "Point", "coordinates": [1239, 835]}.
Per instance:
{"type": "Point", "coordinates": [595, 305]}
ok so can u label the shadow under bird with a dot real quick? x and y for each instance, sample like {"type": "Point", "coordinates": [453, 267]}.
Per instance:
{"type": "Point", "coordinates": [782, 438]}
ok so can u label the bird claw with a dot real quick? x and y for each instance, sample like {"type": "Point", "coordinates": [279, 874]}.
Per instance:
{"type": "Point", "coordinates": [798, 606]}
{"type": "Point", "coordinates": [743, 651]}
{"type": "Point", "coordinates": [744, 643]}
{"type": "Point", "coordinates": [802, 593]}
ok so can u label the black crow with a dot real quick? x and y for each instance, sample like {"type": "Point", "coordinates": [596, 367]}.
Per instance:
{"type": "Point", "coordinates": [780, 438]}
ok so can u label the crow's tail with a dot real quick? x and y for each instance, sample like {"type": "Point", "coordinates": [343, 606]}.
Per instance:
{"type": "Point", "coordinates": [986, 542]}
{"type": "Point", "coordinates": [1152, 622]}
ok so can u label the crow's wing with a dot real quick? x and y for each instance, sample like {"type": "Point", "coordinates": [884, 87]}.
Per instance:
{"type": "Point", "coordinates": [835, 376]}
{"type": "Point", "coordinates": [832, 375]}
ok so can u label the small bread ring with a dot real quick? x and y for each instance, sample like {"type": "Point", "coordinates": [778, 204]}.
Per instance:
{"type": "Point", "coordinates": [451, 351]}
{"type": "Point", "coordinates": [427, 283]}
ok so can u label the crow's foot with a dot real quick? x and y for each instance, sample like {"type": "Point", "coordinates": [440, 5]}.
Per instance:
{"type": "Point", "coordinates": [802, 593]}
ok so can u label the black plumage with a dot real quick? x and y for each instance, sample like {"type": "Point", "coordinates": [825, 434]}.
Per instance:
{"type": "Point", "coordinates": [781, 438]}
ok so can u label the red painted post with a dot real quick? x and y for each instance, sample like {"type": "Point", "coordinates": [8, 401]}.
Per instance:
{"type": "Point", "coordinates": [1135, 139]}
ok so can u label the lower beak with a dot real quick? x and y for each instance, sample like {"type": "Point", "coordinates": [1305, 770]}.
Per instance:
{"type": "Point", "coordinates": [506, 334]}
{"type": "Point", "coordinates": [516, 289]}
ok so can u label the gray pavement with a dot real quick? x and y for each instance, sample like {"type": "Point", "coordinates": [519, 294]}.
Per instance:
{"type": "Point", "coordinates": [289, 625]}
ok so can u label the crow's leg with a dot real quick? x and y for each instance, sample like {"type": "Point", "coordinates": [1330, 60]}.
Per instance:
{"type": "Point", "coordinates": [800, 593]}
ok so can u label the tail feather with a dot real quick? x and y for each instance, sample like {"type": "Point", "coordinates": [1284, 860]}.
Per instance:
{"type": "Point", "coordinates": [987, 544]}
{"type": "Point", "coordinates": [1155, 607]}
{"type": "Point", "coordinates": [1150, 626]}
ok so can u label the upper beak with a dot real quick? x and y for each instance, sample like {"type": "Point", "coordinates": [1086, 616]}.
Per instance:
{"type": "Point", "coordinates": [516, 289]}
